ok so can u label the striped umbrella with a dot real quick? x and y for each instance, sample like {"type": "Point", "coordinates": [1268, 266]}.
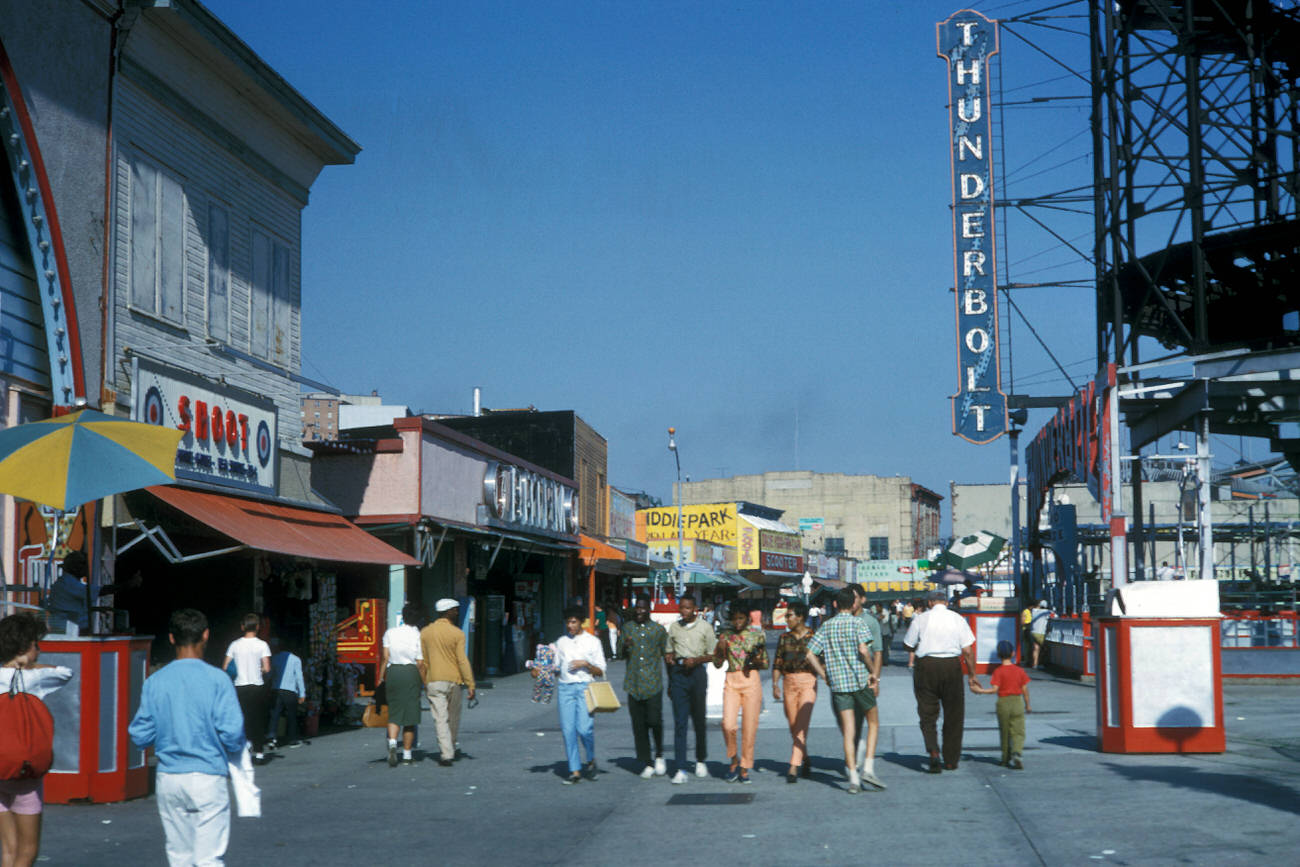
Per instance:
{"type": "Point", "coordinates": [73, 459]}
{"type": "Point", "coordinates": [973, 550]}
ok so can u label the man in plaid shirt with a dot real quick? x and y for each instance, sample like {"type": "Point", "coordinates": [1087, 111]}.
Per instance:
{"type": "Point", "coordinates": [845, 642]}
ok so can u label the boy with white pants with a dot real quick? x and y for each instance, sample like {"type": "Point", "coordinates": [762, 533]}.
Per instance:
{"type": "Point", "coordinates": [190, 716]}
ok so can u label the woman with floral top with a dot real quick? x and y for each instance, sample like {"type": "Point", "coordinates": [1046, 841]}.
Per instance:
{"type": "Point", "coordinates": [744, 651]}
{"type": "Point", "coordinates": [791, 664]}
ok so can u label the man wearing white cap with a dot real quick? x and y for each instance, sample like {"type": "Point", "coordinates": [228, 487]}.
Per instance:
{"type": "Point", "coordinates": [448, 670]}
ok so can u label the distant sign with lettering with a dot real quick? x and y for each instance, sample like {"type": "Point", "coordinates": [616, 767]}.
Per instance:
{"type": "Point", "coordinates": [966, 41]}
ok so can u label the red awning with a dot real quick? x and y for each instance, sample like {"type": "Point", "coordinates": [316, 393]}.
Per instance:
{"type": "Point", "coordinates": [283, 529]}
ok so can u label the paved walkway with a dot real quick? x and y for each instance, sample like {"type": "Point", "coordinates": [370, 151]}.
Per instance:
{"type": "Point", "coordinates": [337, 802]}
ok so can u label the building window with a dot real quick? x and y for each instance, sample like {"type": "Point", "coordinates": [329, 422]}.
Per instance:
{"type": "Point", "coordinates": [835, 545]}
{"type": "Point", "coordinates": [218, 273]}
{"type": "Point", "coordinates": [879, 547]}
{"type": "Point", "coordinates": [157, 243]}
{"type": "Point", "coordinates": [269, 311]}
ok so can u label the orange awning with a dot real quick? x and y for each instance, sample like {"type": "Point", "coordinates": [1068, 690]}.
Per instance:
{"type": "Point", "coordinates": [593, 550]}
{"type": "Point", "coordinates": [283, 529]}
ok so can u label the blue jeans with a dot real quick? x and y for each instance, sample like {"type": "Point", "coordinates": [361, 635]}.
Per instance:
{"type": "Point", "coordinates": [688, 694]}
{"type": "Point", "coordinates": [576, 724]}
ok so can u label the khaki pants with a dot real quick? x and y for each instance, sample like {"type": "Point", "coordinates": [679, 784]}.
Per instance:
{"type": "Point", "coordinates": [444, 702]}
{"type": "Point", "coordinates": [800, 694]}
{"type": "Point", "coordinates": [742, 695]}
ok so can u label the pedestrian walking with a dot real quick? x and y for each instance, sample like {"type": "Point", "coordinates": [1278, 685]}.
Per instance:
{"type": "Point", "coordinates": [190, 715]}
{"type": "Point", "coordinates": [446, 673]}
{"type": "Point", "coordinates": [22, 801]}
{"type": "Point", "coordinates": [940, 639]}
{"type": "Point", "coordinates": [290, 691]}
{"type": "Point", "coordinates": [742, 649]}
{"type": "Point", "coordinates": [691, 642]}
{"type": "Point", "coordinates": [790, 665]}
{"type": "Point", "coordinates": [252, 658]}
{"type": "Point", "coordinates": [845, 643]}
{"type": "Point", "coordinates": [1038, 621]}
{"type": "Point", "coordinates": [1011, 683]}
{"type": "Point", "coordinates": [402, 672]}
{"type": "Point", "coordinates": [644, 644]}
{"type": "Point", "coordinates": [867, 745]}
{"type": "Point", "coordinates": [579, 659]}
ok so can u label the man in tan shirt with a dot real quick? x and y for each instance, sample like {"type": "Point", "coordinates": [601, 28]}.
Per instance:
{"type": "Point", "coordinates": [447, 671]}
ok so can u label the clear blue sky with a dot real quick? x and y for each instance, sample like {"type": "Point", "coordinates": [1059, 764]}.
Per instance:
{"type": "Point", "coordinates": [730, 218]}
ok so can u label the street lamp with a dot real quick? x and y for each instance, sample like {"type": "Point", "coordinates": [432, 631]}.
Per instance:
{"type": "Point", "coordinates": [672, 447]}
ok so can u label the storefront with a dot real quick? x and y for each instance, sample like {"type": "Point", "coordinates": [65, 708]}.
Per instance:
{"type": "Point", "coordinates": [485, 526]}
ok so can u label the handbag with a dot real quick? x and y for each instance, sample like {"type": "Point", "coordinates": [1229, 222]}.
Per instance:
{"type": "Point", "coordinates": [601, 697]}
{"type": "Point", "coordinates": [375, 716]}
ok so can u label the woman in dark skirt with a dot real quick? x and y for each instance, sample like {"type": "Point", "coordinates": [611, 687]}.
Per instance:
{"type": "Point", "coordinates": [402, 668]}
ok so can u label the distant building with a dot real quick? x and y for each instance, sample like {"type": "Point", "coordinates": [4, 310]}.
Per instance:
{"type": "Point", "coordinates": [325, 414]}
{"type": "Point", "coordinates": [857, 516]}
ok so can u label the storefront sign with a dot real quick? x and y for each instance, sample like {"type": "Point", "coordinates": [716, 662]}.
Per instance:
{"type": "Point", "coordinates": [714, 522]}
{"type": "Point", "coordinates": [622, 515]}
{"type": "Point", "coordinates": [747, 546]}
{"type": "Point", "coordinates": [229, 433]}
{"type": "Point", "coordinates": [770, 562]}
{"type": "Point", "coordinates": [966, 41]}
{"type": "Point", "coordinates": [779, 543]}
{"type": "Point", "coordinates": [811, 525]}
{"type": "Point", "coordinates": [886, 570]}
{"type": "Point", "coordinates": [529, 500]}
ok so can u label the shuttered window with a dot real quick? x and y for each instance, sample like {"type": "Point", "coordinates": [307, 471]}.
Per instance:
{"type": "Point", "coordinates": [271, 304]}
{"type": "Point", "coordinates": [218, 273]}
{"type": "Point", "coordinates": [157, 243]}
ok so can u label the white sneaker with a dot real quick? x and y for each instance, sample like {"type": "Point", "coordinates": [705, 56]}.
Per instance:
{"type": "Point", "coordinates": [661, 767]}
{"type": "Point", "coordinates": [871, 779]}
{"type": "Point", "coordinates": [679, 778]}
{"type": "Point", "coordinates": [855, 784]}
{"type": "Point", "coordinates": [701, 769]}
{"type": "Point", "coordinates": [648, 772]}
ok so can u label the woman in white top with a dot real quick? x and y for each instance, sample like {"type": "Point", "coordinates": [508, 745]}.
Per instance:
{"type": "Point", "coordinates": [402, 669]}
{"type": "Point", "coordinates": [21, 801]}
{"type": "Point", "coordinates": [252, 658]}
{"type": "Point", "coordinates": [579, 659]}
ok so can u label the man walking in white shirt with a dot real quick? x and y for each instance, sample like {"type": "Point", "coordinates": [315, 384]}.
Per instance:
{"type": "Point", "coordinates": [941, 638]}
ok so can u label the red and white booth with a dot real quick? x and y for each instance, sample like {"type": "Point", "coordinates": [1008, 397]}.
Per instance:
{"type": "Point", "coordinates": [94, 760]}
{"type": "Point", "coordinates": [1159, 687]}
{"type": "Point", "coordinates": [992, 620]}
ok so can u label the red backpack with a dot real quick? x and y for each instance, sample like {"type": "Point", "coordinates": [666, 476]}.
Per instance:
{"type": "Point", "coordinates": [27, 749]}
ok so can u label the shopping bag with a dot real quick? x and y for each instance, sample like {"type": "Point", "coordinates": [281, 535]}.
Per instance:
{"type": "Point", "coordinates": [248, 797]}
{"type": "Point", "coordinates": [601, 697]}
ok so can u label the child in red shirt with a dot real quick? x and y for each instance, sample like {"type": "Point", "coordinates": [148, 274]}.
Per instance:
{"type": "Point", "coordinates": [1011, 683]}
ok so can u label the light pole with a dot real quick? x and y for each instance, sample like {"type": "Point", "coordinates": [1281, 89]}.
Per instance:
{"type": "Point", "coordinates": [677, 491]}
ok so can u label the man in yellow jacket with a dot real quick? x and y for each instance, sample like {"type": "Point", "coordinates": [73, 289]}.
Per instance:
{"type": "Point", "coordinates": [448, 671]}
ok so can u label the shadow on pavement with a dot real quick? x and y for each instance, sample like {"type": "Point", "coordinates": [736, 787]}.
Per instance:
{"type": "Point", "coordinates": [1243, 787]}
{"type": "Point", "coordinates": [559, 769]}
{"type": "Point", "coordinates": [1087, 743]}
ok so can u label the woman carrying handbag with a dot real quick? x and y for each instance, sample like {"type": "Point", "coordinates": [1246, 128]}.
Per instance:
{"type": "Point", "coordinates": [579, 660]}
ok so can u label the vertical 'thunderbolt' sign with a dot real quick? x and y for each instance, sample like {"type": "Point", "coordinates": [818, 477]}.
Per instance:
{"type": "Point", "coordinates": [966, 41]}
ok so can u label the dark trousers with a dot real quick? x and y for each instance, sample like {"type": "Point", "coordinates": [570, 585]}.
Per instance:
{"type": "Point", "coordinates": [647, 719]}
{"type": "Point", "coordinates": [286, 702]}
{"type": "Point", "coordinates": [938, 683]}
{"type": "Point", "coordinates": [252, 701]}
{"type": "Point", "coordinates": [687, 692]}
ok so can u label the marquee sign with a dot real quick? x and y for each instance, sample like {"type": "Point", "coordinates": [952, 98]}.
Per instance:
{"type": "Point", "coordinates": [966, 41]}
{"type": "Point", "coordinates": [713, 522]}
{"type": "Point", "coordinates": [529, 500]}
{"type": "Point", "coordinates": [229, 433]}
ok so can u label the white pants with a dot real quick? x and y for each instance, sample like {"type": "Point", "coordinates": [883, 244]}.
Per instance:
{"type": "Point", "coordinates": [195, 812]}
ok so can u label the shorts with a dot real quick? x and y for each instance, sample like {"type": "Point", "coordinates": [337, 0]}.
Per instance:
{"type": "Point", "coordinates": [23, 797]}
{"type": "Point", "coordinates": [1038, 639]}
{"type": "Point", "coordinates": [861, 701]}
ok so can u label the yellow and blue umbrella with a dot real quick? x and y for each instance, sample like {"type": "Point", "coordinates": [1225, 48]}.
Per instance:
{"type": "Point", "coordinates": [73, 459]}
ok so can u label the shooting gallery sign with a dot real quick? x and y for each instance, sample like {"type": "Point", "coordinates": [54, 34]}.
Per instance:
{"type": "Point", "coordinates": [966, 41]}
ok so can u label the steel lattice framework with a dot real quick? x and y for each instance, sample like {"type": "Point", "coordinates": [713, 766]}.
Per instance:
{"type": "Point", "coordinates": [1195, 151]}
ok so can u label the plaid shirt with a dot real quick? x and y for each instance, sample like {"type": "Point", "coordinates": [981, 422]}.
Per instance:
{"type": "Point", "coordinates": [645, 646]}
{"type": "Point", "coordinates": [837, 643]}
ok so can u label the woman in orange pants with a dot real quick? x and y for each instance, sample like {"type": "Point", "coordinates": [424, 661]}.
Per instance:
{"type": "Point", "coordinates": [743, 650]}
{"type": "Point", "coordinates": [791, 664]}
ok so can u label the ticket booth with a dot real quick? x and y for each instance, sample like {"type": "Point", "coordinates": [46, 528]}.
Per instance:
{"type": "Point", "coordinates": [94, 759]}
{"type": "Point", "coordinates": [992, 620]}
{"type": "Point", "coordinates": [1159, 687]}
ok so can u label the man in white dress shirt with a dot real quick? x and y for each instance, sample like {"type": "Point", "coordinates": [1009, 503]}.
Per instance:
{"type": "Point", "coordinates": [940, 638]}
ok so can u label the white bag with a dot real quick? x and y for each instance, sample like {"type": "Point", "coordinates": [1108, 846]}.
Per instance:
{"type": "Point", "coordinates": [248, 797]}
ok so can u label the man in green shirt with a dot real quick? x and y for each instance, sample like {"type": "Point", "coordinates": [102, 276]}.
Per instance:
{"type": "Point", "coordinates": [691, 642]}
{"type": "Point", "coordinates": [644, 644]}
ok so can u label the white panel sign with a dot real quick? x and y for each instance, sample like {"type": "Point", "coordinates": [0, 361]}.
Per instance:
{"type": "Point", "coordinates": [1172, 671]}
{"type": "Point", "coordinates": [229, 434]}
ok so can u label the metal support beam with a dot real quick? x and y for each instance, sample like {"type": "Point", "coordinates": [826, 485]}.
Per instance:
{"type": "Point", "coordinates": [1204, 519]}
{"type": "Point", "coordinates": [1187, 404]}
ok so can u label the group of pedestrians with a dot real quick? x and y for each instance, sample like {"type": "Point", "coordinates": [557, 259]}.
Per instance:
{"type": "Point", "coordinates": [268, 686]}
{"type": "Point", "coordinates": [431, 661]}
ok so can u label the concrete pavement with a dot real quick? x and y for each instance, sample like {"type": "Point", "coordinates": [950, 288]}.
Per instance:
{"type": "Point", "coordinates": [337, 802]}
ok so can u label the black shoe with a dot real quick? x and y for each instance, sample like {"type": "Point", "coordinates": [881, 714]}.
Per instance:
{"type": "Point", "coordinates": [589, 770]}
{"type": "Point", "coordinates": [744, 777]}
{"type": "Point", "coordinates": [792, 777]}
{"type": "Point", "coordinates": [572, 778]}
{"type": "Point", "coordinates": [446, 763]}
{"type": "Point", "coordinates": [950, 766]}
{"type": "Point", "coordinates": [805, 770]}
{"type": "Point", "coordinates": [936, 765]}
{"type": "Point", "coordinates": [733, 774]}
{"type": "Point", "coordinates": [392, 757]}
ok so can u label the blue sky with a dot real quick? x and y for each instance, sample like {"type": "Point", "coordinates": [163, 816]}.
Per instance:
{"type": "Point", "coordinates": [732, 219]}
